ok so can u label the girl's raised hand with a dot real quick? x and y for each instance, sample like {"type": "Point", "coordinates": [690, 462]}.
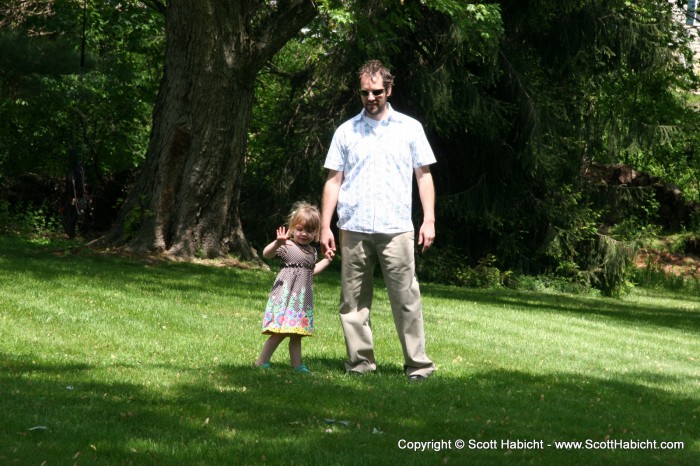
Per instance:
{"type": "Point", "coordinates": [282, 234]}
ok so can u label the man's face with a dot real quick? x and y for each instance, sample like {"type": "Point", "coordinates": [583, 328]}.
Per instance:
{"type": "Point", "coordinates": [374, 96]}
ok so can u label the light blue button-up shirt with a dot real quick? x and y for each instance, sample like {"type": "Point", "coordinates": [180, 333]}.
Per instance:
{"type": "Point", "coordinates": [377, 159]}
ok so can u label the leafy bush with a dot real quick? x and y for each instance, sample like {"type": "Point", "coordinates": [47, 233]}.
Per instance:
{"type": "Point", "coordinates": [442, 265]}
{"type": "Point", "coordinates": [448, 266]}
{"type": "Point", "coordinates": [30, 221]}
{"type": "Point", "coordinates": [484, 275]}
{"type": "Point", "coordinates": [550, 283]}
{"type": "Point", "coordinates": [5, 219]}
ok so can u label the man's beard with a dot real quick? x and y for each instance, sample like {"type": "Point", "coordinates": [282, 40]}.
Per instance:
{"type": "Point", "coordinates": [375, 108]}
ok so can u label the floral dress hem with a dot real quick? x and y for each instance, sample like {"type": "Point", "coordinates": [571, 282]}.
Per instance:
{"type": "Point", "coordinates": [291, 331]}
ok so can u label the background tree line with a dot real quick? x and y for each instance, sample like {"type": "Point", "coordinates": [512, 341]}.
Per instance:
{"type": "Point", "coordinates": [523, 101]}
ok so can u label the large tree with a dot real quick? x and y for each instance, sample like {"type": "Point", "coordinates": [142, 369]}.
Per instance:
{"type": "Point", "coordinates": [185, 200]}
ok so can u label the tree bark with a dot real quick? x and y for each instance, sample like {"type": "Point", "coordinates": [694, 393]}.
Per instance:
{"type": "Point", "coordinates": [185, 202]}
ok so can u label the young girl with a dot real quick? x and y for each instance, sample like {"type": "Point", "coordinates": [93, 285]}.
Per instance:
{"type": "Point", "coordinates": [290, 307]}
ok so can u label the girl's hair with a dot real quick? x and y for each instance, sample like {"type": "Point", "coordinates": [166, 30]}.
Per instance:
{"type": "Point", "coordinates": [375, 67]}
{"type": "Point", "coordinates": [308, 216]}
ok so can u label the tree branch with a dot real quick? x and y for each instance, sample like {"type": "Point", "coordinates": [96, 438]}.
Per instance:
{"type": "Point", "coordinates": [290, 17]}
{"type": "Point", "coordinates": [156, 5]}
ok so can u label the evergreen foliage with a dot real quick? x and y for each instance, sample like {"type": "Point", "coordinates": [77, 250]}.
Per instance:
{"type": "Point", "coordinates": [519, 99]}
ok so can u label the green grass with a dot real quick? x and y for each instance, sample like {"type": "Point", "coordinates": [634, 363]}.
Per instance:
{"type": "Point", "coordinates": [107, 360]}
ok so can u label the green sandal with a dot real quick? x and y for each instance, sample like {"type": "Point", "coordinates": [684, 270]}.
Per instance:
{"type": "Point", "coordinates": [302, 368]}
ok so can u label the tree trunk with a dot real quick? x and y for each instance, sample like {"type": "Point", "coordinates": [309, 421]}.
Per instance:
{"type": "Point", "coordinates": [185, 202]}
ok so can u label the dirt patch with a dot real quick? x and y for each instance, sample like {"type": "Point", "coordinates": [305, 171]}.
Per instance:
{"type": "Point", "coordinates": [684, 265]}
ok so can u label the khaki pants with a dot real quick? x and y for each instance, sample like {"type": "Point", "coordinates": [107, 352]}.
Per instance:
{"type": "Point", "coordinates": [360, 252]}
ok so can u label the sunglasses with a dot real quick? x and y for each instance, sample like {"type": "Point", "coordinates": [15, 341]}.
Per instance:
{"type": "Point", "coordinates": [376, 92]}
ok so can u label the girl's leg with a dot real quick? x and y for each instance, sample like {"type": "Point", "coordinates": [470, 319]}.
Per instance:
{"type": "Point", "coordinates": [295, 350]}
{"type": "Point", "coordinates": [269, 348]}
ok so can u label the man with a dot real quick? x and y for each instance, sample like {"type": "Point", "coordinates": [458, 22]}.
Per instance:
{"type": "Point", "coordinates": [371, 163]}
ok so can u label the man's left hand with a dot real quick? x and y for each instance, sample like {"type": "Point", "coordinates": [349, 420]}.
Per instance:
{"type": "Point", "coordinates": [426, 235]}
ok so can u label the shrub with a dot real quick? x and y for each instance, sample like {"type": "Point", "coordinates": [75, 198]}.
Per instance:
{"type": "Point", "coordinates": [29, 220]}
{"type": "Point", "coordinates": [448, 266]}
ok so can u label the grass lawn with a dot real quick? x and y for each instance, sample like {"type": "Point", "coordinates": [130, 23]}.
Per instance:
{"type": "Point", "coordinates": [107, 360]}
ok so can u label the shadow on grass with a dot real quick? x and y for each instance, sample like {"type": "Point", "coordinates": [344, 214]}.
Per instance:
{"type": "Point", "coordinates": [664, 316]}
{"type": "Point", "coordinates": [51, 263]}
{"type": "Point", "coordinates": [67, 414]}
{"type": "Point", "coordinates": [243, 415]}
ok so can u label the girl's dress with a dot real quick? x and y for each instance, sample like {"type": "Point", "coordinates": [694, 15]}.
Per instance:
{"type": "Point", "coordinates": [290, 307]}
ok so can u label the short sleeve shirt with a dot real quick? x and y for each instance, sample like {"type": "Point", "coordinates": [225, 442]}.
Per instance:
{"type": "Point", "coordinates": [377, 159]}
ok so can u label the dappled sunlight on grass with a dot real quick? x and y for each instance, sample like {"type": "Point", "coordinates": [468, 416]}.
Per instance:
{"type": "Point", "coordinates": [106, 360]}
{"type": "Point", "coordinates": [234, 411]}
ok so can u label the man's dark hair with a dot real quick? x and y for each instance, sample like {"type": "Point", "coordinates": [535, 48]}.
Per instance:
{"type": "Point", "coordinates": [375, 67]}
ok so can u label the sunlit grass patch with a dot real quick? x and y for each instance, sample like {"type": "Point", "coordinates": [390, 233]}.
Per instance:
{"type": "Point", "coordinates": [105, 360]}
